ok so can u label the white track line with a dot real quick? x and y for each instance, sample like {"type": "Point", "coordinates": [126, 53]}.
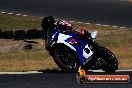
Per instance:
{"type": "Point", "coordinates": [58, 19]}
{"type": "Point", "coordinates": [125, 70]}
{"type": "Point", "coordinates": [18, 14]}
{"type": "Point", "coordinates": [80, 22]}
{"type": "Point", "coordinates": [97, 24]}
{"type": "Point", "coordinates": [24, 15]}
{"type": "Point", "coordinates": [105, 25]}
{"type": "Point", "coordinates": [87, 23]}
{"type": "Point", "coordinates": [3, 12]}
{"type": "Point", "coordinates": [10, 13]}
{"type": "Point", "coordinates": [30, 72]}
{"type": "Point", "coordinates": [41, 17]}
{"type": "Point", "coordinates": [116, 70]}
{"type": "Point", "coordinates": [122, 27]}
{"type": "Point", "coordinates": [36, 72]}
{"type": "Point", "coordinates": [114, 26]}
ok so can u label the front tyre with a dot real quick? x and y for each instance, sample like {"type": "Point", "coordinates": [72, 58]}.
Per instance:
{"type": "Point", "coordinates": [65, 58]}
{"type": "Point", "coordinates": [108, 60]}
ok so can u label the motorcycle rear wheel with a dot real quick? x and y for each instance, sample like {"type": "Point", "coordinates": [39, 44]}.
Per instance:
{"type": "Point", "coordinates": [108, 60]}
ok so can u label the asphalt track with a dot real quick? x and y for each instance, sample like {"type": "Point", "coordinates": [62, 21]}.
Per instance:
{"type": "Point", "coordinates": [53, 79]}
{"type": "Point", "coordinates": [111, 12]}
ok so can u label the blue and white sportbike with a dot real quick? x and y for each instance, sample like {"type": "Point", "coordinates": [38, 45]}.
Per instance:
{"type": "Point", "coordinates": [70, 52]}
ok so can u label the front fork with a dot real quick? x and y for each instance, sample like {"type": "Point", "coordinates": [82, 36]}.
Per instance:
{"type": "Point", "coordinates": [94, 58]}
{"type": "Point", "coordinates": [81, 59]}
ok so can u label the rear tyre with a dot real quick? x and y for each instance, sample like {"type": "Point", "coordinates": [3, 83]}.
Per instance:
{"type": "Point", "coordinates": [7, 35]}
{"type": "Point", "coordinates": [32, 34]}
{"type": "Point", "coordinates": [0, 33]}
{"type": "Point", "coordinates": [20, 35]}
{"type": "Point", "coordinates": [108, 60]}
{"type": "Point", "coordinates": [65, 58]}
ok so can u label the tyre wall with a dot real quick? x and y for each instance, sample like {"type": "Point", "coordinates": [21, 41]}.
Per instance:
{"type": "Point", "coordinates": [22, 34]}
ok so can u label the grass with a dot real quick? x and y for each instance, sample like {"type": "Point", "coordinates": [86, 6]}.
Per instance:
{"type": "Point", "coordinates": [8, 22]}
{"type": "Point", "coordinates": [26, 61]}
{"type": "Point", "coordinates": [118, 40]}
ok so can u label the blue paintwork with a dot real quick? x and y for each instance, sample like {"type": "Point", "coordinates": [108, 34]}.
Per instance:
{"type": "Point", "coordinates": [79, 45]}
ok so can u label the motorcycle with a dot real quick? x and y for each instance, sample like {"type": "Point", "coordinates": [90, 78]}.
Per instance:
{"type": "Point", "coordinates": [70, 52]}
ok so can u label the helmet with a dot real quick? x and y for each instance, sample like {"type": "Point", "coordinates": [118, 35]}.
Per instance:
{"type": "Point", "coordinates": [48, 22]}
{"type": "Point", "coordinates": [63, 25]}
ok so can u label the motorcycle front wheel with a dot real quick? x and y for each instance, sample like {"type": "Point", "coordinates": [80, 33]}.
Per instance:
{"type": "Point", "coordinates": [65, 58]}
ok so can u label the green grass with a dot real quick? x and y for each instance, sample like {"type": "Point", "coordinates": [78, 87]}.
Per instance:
{"type": "Point", "coordinates": [26, 61]}
{"type": "Point", "coordinates": [118, 40]}
{"type": "Point", "coordinates": [12, 22]}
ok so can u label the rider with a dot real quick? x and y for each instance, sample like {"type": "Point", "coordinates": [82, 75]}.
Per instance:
{"type": "Point", "coordinates": [65, 27]}
{"type": "Point", "coordinates": [48, 24]}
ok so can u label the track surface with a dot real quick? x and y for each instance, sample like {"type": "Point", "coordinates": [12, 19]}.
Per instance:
{"type": "Point", "coordinates": [53, 79]}
{"type": "Point", "coordinates": [113, 12]}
